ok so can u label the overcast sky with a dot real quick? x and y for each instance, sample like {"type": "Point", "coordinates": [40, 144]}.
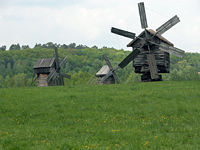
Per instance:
{"type": "Point", "coordinates": [88, 22]}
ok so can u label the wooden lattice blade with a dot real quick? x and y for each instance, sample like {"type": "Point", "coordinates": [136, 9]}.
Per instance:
{"type": "Point", "coordinates": [109, 74]}
{"type": "Point", "coordinates": [142, 13]}
{"type": "Point", "coordinates": [63, 61]}
{"type": "Point", "coordinates": [111, 68]}
{"type": "Point", "coordinates": [53, 74]}
{"type": "Point", "coordinates": [116, 78]}
{"type": "Point", "coordinates": [166, 26]}
{"type": "Point", "coordinates": [56, 58]}
{"type": "Point", "coordinates": [172, 50]}
{"type": "Point", "coordinates": [129, 58]}
{"type": "Point", "coordinates": [123, 33]}
{"type": "Point", "coordinates": [106, 76]}
{"type": "Point", "coordinates": [108, 62]}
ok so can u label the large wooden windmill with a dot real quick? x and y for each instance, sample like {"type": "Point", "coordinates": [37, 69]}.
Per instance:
{"type": "Point", "coordinates": [47, 71]}
{"type": "Point", "coordinates": [151, 50]}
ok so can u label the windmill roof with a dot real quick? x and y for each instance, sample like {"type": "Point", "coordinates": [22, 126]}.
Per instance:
{"type": "Point", "coordinates": [44, 63]}
{"type": "Point", "coordinates": [153, 33]}
{"type": "Point", "coordinates": [103, 71]}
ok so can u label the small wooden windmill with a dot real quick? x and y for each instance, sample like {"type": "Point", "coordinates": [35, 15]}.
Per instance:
{"type": "Point", "coordinates": [151, 50]}
{"type": "Point", "coordinates": [47, 71]}
{"type": "Point", "coordinates": [112, 79]}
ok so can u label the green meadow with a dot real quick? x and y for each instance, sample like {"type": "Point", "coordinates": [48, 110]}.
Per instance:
{"type": "Point", "coordinates": [158, 116]}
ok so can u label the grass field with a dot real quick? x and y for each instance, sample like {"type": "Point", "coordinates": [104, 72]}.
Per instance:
{"type": "Point", "coordinates": [158, 116]}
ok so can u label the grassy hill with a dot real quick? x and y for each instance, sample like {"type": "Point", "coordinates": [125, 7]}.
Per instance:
{"type": "Point", "coordinates": [160, 115]}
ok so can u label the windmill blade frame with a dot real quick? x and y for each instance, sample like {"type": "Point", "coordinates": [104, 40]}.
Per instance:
{"type": "Point", "coordinates": [168, 25]}
{"type": "Point", "coordinates": [142, 13]}
{"type": "Point", "coordinates": [169, 49]}
{"type": "Point", "coordinates": [111, 69]}
{"type": "Point", "coordinates": [172, 50]}
{"type": "Point", "coordinates": [123, 33]}
{"type": "Point", "coordinates": [33, 80]}
{"type": "Point", "coordinates": [129, 58]}
{"type": "Point", "coordinates": [108, 62]}
{"type": "Point", "coordinates": [116, 78]}
{"type": "Point", "coordinates": [106, 76]}
{"type": "Point", "coordinates": [109, 74]}
{"type": "Point", "coordinates": [63, 61]}
{"type": "Point", "coordinates": [56, 58]}
{"type": "Point", "coordinates": [52, 75]}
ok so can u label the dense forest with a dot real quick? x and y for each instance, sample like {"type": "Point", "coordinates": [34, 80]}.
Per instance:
{"type": "Point", "coordinates": [16, 64]}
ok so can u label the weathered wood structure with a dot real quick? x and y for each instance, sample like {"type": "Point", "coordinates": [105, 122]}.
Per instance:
{"type": "Point", "coordinates": [101, 73]}
{"type": "Point", "coordinates": [151, 51]}
{"type": "Point", "coordinates": [112, 79]}
{"type": "Point", "coordinates": [47, 71]}
{"type": "Point", "coordinates": [146, 61]}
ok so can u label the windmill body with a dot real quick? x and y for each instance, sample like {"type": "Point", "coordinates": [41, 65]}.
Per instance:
{"type": "Point", "coordinates": [151, 51]}
{"type": "Point", "coordinates": [141, 63]}
{"type": "Point", "coordinates": [101, 73]}
{"type": "Point", "coordinates": [42, 69]}
{"type": "Point", "coordinates": [104, 71]}
{"type": "Point", "coordinates": [47, 71]}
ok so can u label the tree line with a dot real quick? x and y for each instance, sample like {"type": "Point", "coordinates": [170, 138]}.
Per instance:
{"type": "Point", "coordinates": [83, 62]}
{"type": "Point", "coordinates": [47, 45]}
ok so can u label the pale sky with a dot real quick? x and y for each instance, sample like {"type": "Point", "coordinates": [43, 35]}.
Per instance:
{"type": "Point", "coordinates": [88, 22]}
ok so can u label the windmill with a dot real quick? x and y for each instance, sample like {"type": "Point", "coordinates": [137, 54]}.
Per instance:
{"type": "Point", "coordinates": [48, 71]}
{"type": "Point", "coordinates": [151, 50]}
{"type": "Point", "coordinates": [104, 70]}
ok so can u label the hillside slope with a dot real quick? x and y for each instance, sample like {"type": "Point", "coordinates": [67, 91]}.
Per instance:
{"type": "Point", "coordinates": [17, 65]}
{"type": "Point", "coordinates": [161, 115]}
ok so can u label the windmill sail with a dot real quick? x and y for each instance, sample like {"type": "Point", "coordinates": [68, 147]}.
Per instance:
{"type": "Point", "coordinates": [143, 18]}
{"type": "Point", "coordinates": [63, 61]}
{"type": "Point", "coordinates": [108, 62]}
{"type": "Point", "coordinates": [111, 68]}
{"type": "Point", "coordinates": [129, 58]}
{"type": "Point", "coordinates": [56, 59]}
{"type": "Point", "coordinates": [172, 50]}
{"type": "Point", "coordinates": [166, 26]}
{"type": "Point", "coordinates": [109, 74]}
{"type": "Point", "coordinates": [52, 75]}
{"type": "Point", "coordinates": [123, 33]}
